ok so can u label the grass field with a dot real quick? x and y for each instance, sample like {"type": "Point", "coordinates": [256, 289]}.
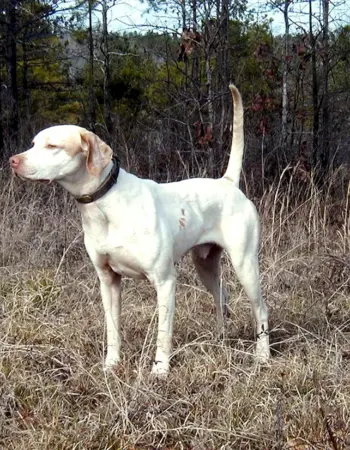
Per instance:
{"type": "Point", "coordinates": [54, 394]}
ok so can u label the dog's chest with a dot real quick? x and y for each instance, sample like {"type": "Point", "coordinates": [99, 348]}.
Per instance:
{"type": "Point", "coordinates": [119, 257]}
{"type": "Point", "coordinates": [114, 246]}
{"type": "Point", "coordinates": [123, 261]}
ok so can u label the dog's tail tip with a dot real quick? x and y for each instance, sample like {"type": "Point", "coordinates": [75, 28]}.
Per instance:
{"type": "Point", "coordinates": [235, 93]}
{"type": "Point", "coordinates": [235, 161]}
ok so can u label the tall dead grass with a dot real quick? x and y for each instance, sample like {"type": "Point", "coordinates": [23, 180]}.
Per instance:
{"type": "Point", "coordinates": [54, 394]}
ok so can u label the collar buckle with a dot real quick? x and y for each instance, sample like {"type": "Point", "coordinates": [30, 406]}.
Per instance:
{"type": "Point", "coordinates": [85, 199]}
{"type": "Point", "coordinates": [111, 179]}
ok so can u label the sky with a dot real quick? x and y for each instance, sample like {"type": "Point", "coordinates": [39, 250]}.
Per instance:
{"type": "Point", "coordinates": [127, 15]}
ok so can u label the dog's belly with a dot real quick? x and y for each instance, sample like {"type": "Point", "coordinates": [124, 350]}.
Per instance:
{"type": "Point", "coordinates": [194, 225]}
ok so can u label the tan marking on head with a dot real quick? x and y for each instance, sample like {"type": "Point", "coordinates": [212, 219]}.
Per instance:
{"type": "Point", "coordinates": [65, 137]}
{"type": "Point", "coordinates": [99, 153]}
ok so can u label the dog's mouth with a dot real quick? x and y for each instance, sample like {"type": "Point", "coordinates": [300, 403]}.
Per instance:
{"type": "Point", "coordinates": [45, 181]}
{"type": "Point", "coordinates": [23, 178]}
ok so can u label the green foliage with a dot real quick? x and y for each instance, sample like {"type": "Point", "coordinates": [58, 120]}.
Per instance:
{"type": "Point", "coordinates": [341, 51]}
{"type": "Point", "coordinates": [245, 66]}
{"type": "Point", "coordinates": [80, 36]}
{"type": "Point", "coordinates": [50, 94]}
{"type": "Point", "coordinates": [168, 78]}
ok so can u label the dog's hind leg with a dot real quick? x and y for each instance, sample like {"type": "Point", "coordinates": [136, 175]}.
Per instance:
{"type": "Point", "coordinates": [206, 258]}
{"type": "Point", "coordinates": [247, 271]}
{"type": "Point", "coordinates": [243, 252]}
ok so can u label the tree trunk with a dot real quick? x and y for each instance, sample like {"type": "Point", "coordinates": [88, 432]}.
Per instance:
{"type": "Point", "coordinates": [195, 59]}
{"type": "Point", "coordinates": [183, 14]}
{"type": "Point", "coordinates": [25, 68]}
{"type": "Point", "coordinates": [284, 134]}
{"type": "Point", "coordinates": [210, 108]}
{"type": "Point", "coordinates": [315, 111]}
{"type": "Point", "coordinates": [2, 143]}
{"type": "Point", "coordinates": [324, 157]}
{"type": "Point", "coordinates": [12, 68]}
{"type": "Point", "coordinates": [222, 75]}
{"type": "Point", "coordinates": [106, 69]}
{"type": "Point", "coordinates": [91, 90]}
{"type": "Point", "coordinates": [184, 28]}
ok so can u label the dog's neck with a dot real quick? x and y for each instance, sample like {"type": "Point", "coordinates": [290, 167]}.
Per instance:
{"type": "Point", "coordinates": [83, 183]}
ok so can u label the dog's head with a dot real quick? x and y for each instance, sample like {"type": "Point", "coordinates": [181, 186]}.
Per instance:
{"type": "Point", "coordinates": [61, 151]}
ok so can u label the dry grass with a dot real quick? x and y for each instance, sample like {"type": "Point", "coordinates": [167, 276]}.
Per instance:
{"type": "Point", "coordinates": [54, 394]}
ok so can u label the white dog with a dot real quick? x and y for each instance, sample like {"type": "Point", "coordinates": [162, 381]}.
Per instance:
{"type": "Point", "coordinates": [140, 229]}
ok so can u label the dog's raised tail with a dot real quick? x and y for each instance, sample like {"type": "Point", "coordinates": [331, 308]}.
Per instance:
{"type": "Point", "coordinates": [234, 167]}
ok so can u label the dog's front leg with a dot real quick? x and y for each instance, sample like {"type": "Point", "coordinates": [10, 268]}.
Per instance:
{"type": "Point", "coordinates": [110, 284]}
{"type": "Point", "coordinates": [166, 305]}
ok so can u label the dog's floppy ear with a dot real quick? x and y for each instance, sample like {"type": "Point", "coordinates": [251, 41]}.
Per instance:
{"type": "Point", "coordinates": [98, 152]}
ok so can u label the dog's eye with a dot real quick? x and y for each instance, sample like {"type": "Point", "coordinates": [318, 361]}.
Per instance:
{"type": "Point", "coordinates": [51, 146]}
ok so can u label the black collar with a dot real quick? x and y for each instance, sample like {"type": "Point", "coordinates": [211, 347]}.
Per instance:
{"type": "Point", "coordinates": [110, 180]}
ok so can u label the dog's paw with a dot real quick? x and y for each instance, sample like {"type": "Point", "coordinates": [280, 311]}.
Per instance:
{"type": "Point", "coordinates": [111, 363]}
{"type": "Point", "coordinates": [160, 369]}
{"type": "Point", "coordinates": [221, 334]}
{"type": "Point", "coordinates": [262, 358]}
{"type": "Point", "coordinates": [262, 354]}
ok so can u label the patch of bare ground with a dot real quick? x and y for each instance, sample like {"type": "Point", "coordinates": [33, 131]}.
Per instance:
{"type": "Point", "coordinates": [54, 394]}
